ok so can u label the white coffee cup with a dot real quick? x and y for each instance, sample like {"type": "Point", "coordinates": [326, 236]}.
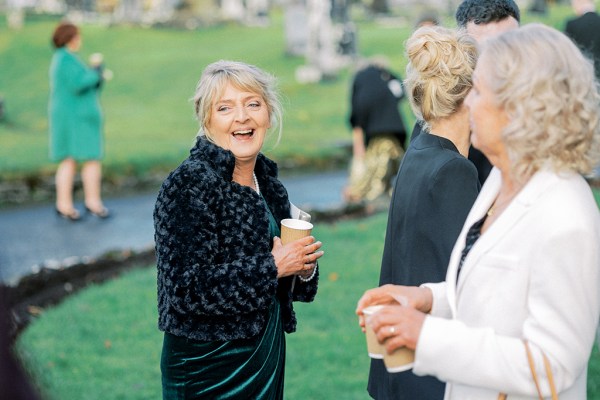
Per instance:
{"type": "Point", "coordinates": [374, 348]}
{"type": "Point", "coordinates": [294, 229]}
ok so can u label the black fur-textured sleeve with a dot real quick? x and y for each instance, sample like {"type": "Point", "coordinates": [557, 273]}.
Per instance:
{"type": "Point", "coordinates": [212, 256]}
{"type": "Point", "coordinates": [306, 291]}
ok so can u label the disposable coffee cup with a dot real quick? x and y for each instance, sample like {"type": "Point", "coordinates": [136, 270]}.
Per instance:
{"type": "Point", "coordinates": [374, 348]}
{"type": "Point", "coordinates": [401, 359]}
{"type": "Point", "coordinates": [294, 229]}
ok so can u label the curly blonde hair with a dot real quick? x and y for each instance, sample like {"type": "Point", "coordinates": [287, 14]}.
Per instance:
{"type": "Point", "coordinates": [548, 89]}
{"type": "Point", "coordinates": [215, 78]}
{"type": "Point", "coordinates": [439, 72]}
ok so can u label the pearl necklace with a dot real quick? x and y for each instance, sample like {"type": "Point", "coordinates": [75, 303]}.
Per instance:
{"type": "Point", "coordinates": [256, 183]}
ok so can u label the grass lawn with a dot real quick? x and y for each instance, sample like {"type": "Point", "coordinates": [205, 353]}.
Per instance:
{"type": "Point", "coordinates": [104, 344]}
{"type": "Point", "coordinates": [149, 124]}
{"type": "Point", "coordinates": [149, 118]}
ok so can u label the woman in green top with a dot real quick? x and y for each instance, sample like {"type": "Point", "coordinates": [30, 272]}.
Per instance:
{"type": "Point", "coordinates": [75, 121]}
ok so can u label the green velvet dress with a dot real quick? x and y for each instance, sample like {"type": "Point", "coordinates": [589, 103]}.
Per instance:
{"type": "Point", "coordinates": [235, 369]}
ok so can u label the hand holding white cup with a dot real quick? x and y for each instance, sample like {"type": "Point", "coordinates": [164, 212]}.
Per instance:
{"type": "Point", "coordinates": [96, 59]}
{"type": "Point", "coordinates": [296, 252]}
{"type": "Point", "coordinates": [402, 358]}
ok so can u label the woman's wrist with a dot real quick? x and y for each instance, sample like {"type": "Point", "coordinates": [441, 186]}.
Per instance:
{"type": "Point", "coordinates": [309, 278]}
{"type": "Point", "coordinates": [427, 299]}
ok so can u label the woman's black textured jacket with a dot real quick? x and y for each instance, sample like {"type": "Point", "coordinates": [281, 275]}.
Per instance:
{"type": "Point", "coordinates": [216, 275]}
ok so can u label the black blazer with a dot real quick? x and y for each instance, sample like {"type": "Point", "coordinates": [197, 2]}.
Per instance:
{"type": "Point", "coordinates": [434, 191]}
{"type": "Point", "coordinates": [585, 32]}
{"type": "Point", "coordinates": [483, 165]}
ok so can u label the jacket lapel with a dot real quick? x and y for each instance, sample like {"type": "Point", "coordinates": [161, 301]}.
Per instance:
{"type": "Point", "coordinates": [484, 200]}
{"type": "Point", "coordinates": [501, 227]}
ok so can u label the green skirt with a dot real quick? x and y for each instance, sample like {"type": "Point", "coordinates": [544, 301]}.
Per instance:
{"type": "Point", "coordinates": [236, 369]}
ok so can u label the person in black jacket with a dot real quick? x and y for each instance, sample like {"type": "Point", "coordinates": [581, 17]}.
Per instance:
{"type": "Point", "coordinates": [378, 132]}
{"type": "Point", "coordinates": [225, 281]}
{"type": "Point", "coordinates": [484, 19]}
{"type": "Point", "coordinates": [584, 30]}
{"type": "Point", "coordinates": [435, 187]}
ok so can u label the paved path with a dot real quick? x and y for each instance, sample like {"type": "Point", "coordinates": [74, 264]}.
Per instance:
{"type": "Point", "coordinates": [35, 236]}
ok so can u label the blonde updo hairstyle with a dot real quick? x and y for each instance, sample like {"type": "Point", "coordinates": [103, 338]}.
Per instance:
{"type": "Point", "coordinates": [246, 77]}
{"type": "Point", "coordinates": [548, 89]}
{"type": "Point", "coordinates": [439, 71]}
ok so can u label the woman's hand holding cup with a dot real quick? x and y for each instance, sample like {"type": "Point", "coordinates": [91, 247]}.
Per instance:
{"type": "Point", "coordinates": [397, 326]}
{"type": "Point", "coordinates": [297, 257]}
{"type": "Point", "coordinates": [96, 59]}
{"type": "Point", "coordinates": [395, 317]}
{"type": "Point", "coordinates": [416, 297]}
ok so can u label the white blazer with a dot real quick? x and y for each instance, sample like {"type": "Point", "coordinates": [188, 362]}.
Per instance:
{"type": "Point", "coordinates": [534, 274]}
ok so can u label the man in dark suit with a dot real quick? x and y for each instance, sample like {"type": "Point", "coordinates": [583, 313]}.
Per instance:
{"type": "Point", "coordinates": [585, 30]}
{"type": "Point", "coordinates": [484, 19]}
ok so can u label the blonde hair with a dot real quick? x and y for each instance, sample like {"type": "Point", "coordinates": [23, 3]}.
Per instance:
{"type": "Point", "coordinates": [215, 78]}
{"type": "Point", "coordinates": [439, 72]}
{"type": "Point", "coordinates": [548, 89]}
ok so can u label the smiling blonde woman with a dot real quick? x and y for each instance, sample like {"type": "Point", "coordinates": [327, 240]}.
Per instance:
{"type": "Point", "coordinates": [225, 288]}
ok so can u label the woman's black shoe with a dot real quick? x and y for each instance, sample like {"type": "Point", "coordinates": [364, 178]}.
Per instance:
{"type": "Point", "coordinates": [72, 216]}
{"type": "Point", "coordinates": [103, 213]}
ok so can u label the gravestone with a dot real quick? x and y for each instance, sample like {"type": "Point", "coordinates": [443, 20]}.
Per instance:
{"type": "Point", "coordinates": [257, 12]}
{"type": "Point", "coordinates": [296, 34]}
{"type": "Point", "coordinates": [129, 11]}
{"type": "Point", "coordinates": [330, 44]}
{"type": "Point", "coordinates": [232, 10]}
